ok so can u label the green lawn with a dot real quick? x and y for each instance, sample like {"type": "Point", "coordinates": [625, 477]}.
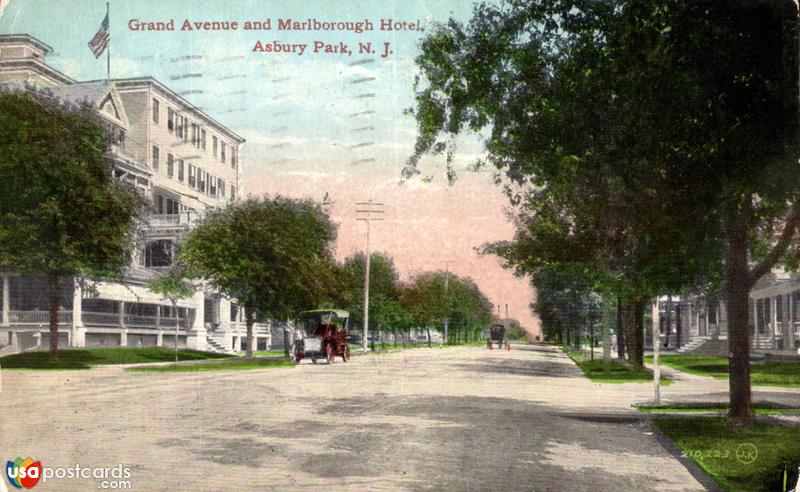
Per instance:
{"type": "Point", "coordinates": [761, 409]}
{"type": "Point", "coordinates": [267, 353]}
{"type": "Point", "coordinates": [751, 459]}
{"type": "Point", "coordinates": [769, 373]}
{"type": "Point", "coordinates": [612, 371]}
{"type": "Point", "coordinates": [86, 358]}
{"type": "Point", "coordinates": [229, 365]}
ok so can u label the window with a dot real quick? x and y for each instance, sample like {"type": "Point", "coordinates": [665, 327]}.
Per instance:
{"type": "Point", "coordinates": [233, 157]}
{"type": "Point", "coordinates": [155, 157]}
{"type": "Point", "coordinates": [178, 125]}
{"type": "Point", "coordinates": [233, 192]}
{"type": "Point", "coordinates": [167, 206]}
{"type": "Point", "coordinates": [180, 170]}
{"type": "Point", "coordinates": [155, 111]}
{"type": "Point", "coordinates": [170, 120]}
{"type": "Point", "coordinates": [192, 176]}
{"type": "Point", "coordinates": [171, 206]}
{"type": "Point", "coordinates": [170, 165]}
{"type": "Point", "coordinates": [212, 186]}
{"type": "Point", "coordinates": [221, 187]}
{"type": "Point", "coordinates": [185, 129]}
{"type": "Point", "coordinates": [195, 135]}
{"type": "Point", "coordinates": [222, 153]}
{"type": "Point", "coordinates": [201, 180]}
{"type": "Point", "coordinates": [158, 253]}
{"type": "Point", "coordinates": [214, 146]}
{"type": "Point", "coordinates": [203, 139]}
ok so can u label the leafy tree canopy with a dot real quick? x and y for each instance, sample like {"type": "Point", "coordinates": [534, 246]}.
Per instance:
{"type": "Point", "coordinates": [61, 213]}
{"type": "Point", "coordinates": [271, 254]}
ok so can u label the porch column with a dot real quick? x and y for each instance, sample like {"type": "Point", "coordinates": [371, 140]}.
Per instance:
{"type": "Point", "coordinates": [788, 328]}
{"type": "Point", "coordinates": [196, 335]}
{"type": "Point", "coordinates": [6, 300]}
{"type": "Point", "coordinates": [123, 332]}
{"type": "Point", "coordinates": [158, 315]}
{"type": "Point", "coordinates": [786, 325]}
{"type": "Point", "coordinates": [224, 314]}
{"type": "Point", "coordinates": [774, 324]}
{"type": "Point", "coordinates": [755, 319]}
{"type": "Point", "coordinates": [78, 336]}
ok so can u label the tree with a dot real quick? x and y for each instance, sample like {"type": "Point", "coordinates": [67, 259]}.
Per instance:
{"type": "Point", "coordinates": [570, 151]}
{"type": "Point", "coordinates": [272, 254]}
{"type": "Point", "coordinates": [61, 213]}
{"type": "Point", "coordinates": [468, 309]}
{"type": "Point", "coordinates": [173, 286]}
{"type": "Point", "coordinates": [383, 279]}
{"type": "Point", "coordinates": [663, 134]}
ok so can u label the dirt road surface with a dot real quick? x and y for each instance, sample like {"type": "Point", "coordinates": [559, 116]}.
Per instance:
{"type": "Point", "coordinates": [460, 418]}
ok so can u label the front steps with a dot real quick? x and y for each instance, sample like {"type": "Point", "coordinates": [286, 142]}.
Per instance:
{"type": "Point", "coordinates": [216, 345]}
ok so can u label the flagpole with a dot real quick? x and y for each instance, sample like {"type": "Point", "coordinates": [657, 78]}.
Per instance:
{"type": "Point", "coordinates": [108, 49]}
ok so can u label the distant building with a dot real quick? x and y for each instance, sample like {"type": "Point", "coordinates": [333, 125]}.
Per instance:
{"type": "Point", "coordinates": [185, 162]}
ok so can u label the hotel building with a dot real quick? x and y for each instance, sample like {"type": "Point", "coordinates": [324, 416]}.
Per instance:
{"type": "Point", "coordinates": [186, 163]}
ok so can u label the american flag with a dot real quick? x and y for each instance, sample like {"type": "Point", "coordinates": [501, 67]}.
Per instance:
{"type": "Point", "coordinates": [99, 42]}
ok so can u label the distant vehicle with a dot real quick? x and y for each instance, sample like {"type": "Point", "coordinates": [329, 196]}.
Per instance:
{"type": "Point", "coordinates": [321, 334]}
{"type": "Point", "coordinates": [497, 335]}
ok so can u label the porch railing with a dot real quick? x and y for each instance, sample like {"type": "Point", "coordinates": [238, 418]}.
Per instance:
{"type": "Point", "coordinates": [38, 317]}
{"type": "Point", "coordinates": [185, 218]}
{"type": "Point", "coordinates": [98, 319]}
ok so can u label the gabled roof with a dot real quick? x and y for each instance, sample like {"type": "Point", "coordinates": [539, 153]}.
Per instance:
{"type": "Point", "coordinates": [84, 92]}
{"type": "Point", "coordinates": [101, 95]}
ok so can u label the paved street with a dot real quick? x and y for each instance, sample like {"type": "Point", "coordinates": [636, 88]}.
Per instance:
{"type": "Point", "coordinates": [425, 419]}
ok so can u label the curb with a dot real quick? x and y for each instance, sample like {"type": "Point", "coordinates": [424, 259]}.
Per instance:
{"type": "Point", "coordinates": [692, 467]}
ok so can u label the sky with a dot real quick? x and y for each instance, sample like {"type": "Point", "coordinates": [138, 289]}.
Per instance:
{"type": "Point", "coordinates": [314, 123]}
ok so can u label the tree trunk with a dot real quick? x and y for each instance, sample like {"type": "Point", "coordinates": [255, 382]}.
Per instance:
{"type": "Point", "coordinates": [249, 320]}
{"type": "Point", "coordinates": [629, 330]}
{"type": "Point", "coordinates": [429, 337]}
{"type": "Point", "coordinates": [55, 301]}
{"type": "Point", "coordinates": [177, 325]}
{"type": "Point", "coordinates": [678, 325]}
{"type": "Point", "coordinates": [668, 318]}
{"type": "Point", "coordinates": [637, 327]}
{"type": "Point", "coordinates": [606, 328]}
{"type": "Point", "coordinates": [621, 339]}
{"type": "Point", "coordinates": [737, 287]}
{"type": "Point", "coordinates": [591, 337]}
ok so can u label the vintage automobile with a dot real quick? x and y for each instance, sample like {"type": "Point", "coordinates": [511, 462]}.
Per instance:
{"type": "Point", "coordinates": [497, 336]}
{"type": "Point", "coordinates": [321, 334]}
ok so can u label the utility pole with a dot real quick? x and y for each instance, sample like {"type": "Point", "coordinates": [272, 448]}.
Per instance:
{"type": "Point", "coordinates": [446, 285]}
{"type": "Point", "coordinates": [656, 336]}
{"type": "Point", "coordinates": [367, 211]}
